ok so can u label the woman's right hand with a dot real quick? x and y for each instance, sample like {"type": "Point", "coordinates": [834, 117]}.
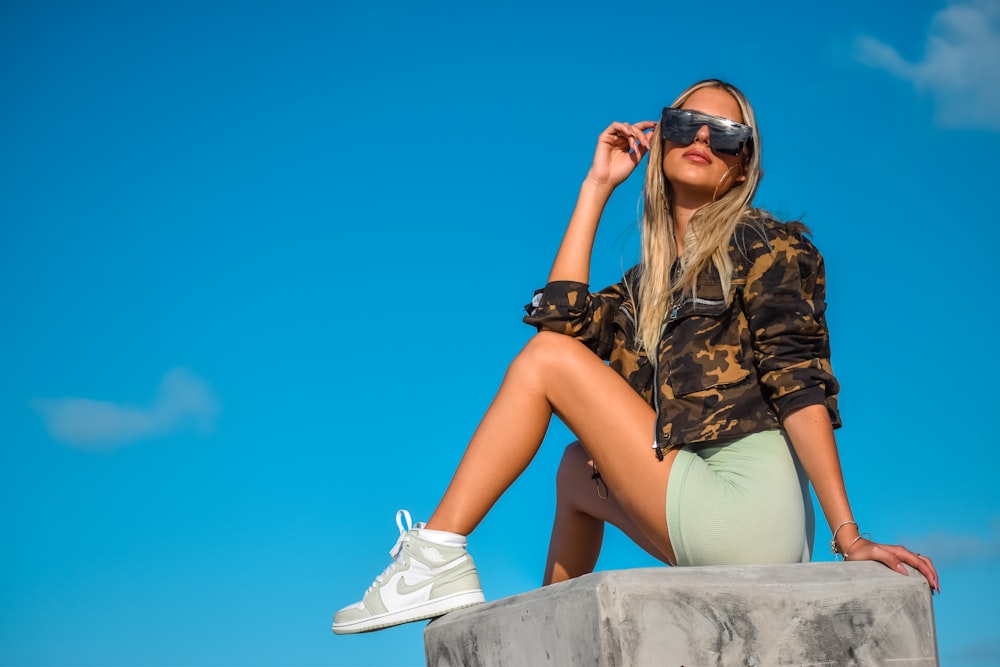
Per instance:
{"type": "Point", "coordinates": [620, 148]}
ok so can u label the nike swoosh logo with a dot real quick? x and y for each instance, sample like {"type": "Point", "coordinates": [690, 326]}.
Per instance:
{"type": "Point", "coordinates": [405, 590]}
{"type": "Point", "coordinates": [404, 594]}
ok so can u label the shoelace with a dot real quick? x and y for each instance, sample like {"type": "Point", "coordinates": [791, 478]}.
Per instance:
{"type": "Point", "coordinates": [402, 516]}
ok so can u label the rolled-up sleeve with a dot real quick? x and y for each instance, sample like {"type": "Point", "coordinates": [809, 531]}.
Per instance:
{"type": "Point", "coordinates": [569, 308]}
{"type": "Point", "coordinates": [785, 297]}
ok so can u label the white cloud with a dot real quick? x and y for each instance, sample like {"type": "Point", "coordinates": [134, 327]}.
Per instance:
{"type": "Point", "coordinates": [959, 68]}
{"type": "Point", "coordinates": [184, 401]}
{"type": "Point", "coordinates": [951, 549]}
{"type": "Point", "coordinates": [985, 652]}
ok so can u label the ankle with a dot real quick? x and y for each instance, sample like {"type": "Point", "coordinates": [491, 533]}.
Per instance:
{"type": "Point", "coordinates": [443, 537]}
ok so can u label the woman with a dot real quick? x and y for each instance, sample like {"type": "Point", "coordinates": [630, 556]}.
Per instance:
{"type": "Point", "coordinates": [717, 404]}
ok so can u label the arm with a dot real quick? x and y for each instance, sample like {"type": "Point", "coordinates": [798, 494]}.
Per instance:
{"type": "Point", "coordinates": [619, 150]}
{"type": "Point", "coordinates": [786, 304]}
{"type": "Point", "coordinates": [569, 308]}
{"type": "Point", "coordinates": [812, 437]}
{"type": "Point", "coordinates": [566, 305]}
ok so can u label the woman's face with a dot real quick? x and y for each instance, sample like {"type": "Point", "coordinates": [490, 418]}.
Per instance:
{"type": "Point", "coordinates": [698, 174]}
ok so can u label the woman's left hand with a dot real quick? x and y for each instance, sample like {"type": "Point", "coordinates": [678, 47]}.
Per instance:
{"type": "Point", "coordinates": [893, 557]}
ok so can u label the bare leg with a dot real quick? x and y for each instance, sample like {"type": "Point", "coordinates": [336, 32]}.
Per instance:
{"type": "Point", "coordinates": [555, 374]}
{"type": "Point", "coordinates": [578, 529]}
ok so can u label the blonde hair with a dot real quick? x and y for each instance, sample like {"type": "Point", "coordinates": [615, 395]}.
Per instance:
{"type": "Point", "coordinates": [706, 241]}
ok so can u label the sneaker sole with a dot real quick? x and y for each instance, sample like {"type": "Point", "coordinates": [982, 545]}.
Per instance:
{"type": "Point", "coordinates": [431, 609]}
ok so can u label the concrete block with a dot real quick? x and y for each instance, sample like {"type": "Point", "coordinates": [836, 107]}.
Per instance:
{"type": "Point", "coordinates": [837, 614]}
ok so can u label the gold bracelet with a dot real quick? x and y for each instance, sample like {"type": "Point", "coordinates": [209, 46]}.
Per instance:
{"type": "Point", "coordinates": [834, 549]}
{"type": "Point", "coordinates": [860, 536]}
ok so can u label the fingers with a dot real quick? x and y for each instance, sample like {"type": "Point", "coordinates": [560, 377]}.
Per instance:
{"type": "Point", "coordinates": [919, 562]}
{"type": "Point", "coordinates": [926, 568]}
{"type": "Point", "coordinates": [897, 558]}
{"type": "Point", "coordinates": [634, 136]}
{"type": "Point", "coordinates": [620, 149]}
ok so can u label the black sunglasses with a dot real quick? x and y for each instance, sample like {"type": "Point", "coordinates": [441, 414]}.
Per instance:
{"type": "Point", "coordinates": [726, 136]}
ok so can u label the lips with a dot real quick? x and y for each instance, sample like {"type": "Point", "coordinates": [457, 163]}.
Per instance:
{"type": "Point", "coordinates": [697, 155]}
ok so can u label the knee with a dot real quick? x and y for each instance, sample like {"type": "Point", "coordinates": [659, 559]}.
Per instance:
{"type": "Point", "coordinates": [574, 469]}
{"type": "Point", "coordinates": [547, 349]}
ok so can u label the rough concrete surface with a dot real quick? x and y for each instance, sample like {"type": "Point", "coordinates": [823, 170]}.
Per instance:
{"type": "Point", "coordinates": [837, 614]}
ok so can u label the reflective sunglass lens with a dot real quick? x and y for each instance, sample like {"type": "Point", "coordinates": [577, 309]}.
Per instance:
{"type": "Point", "coordinates": [725, 136]}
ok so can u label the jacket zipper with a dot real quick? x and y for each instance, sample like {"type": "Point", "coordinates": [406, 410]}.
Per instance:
{"type": "Point", "coordinates": [656, 404]}
{"type": "Point", "coordinates": [656, 387]}
{"type": "Point", "coordinates": [698, 301]}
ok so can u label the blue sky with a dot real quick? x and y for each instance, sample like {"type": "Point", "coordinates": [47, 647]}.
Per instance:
{"type": "Point", "coordinates": [262, 267]}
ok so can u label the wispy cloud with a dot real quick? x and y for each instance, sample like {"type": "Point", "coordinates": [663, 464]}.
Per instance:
{"type": "Point", "coordinates": [951, 549]}
{"type": "Point", "coordinates": [959, 68]}
{"type": "Point", "coordinates": [184, 401]}
{"type": "Point", "coordinates": [985, 652]}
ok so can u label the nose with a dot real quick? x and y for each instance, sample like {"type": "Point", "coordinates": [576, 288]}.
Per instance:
{"type": "Point", "coordinates": [703, 135]}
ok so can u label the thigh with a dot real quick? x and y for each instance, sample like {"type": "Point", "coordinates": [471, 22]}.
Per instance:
{"type": "Point", "coordinates": [595, 498]}
{"type": "Point", "coordinates": [615, 426]}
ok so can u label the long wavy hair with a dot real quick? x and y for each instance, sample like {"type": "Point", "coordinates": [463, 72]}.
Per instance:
{"type": "Point", "coordinates": [709, 230]}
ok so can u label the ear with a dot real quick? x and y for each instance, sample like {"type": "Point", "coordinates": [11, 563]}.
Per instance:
{"type": "Point", "coordinates": [744, 163]}
{"type": "Point", "coordinates": [740, 175]}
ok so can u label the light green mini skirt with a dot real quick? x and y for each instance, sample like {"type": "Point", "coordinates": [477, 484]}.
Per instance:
{"type": "Point", "coordinates": [743, 502]}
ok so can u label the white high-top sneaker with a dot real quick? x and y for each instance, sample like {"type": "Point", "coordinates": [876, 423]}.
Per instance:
{"type": "Point", "coordinates": [428, 577]}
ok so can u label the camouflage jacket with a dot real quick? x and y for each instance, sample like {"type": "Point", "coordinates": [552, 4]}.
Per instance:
{"type": "Point", "coordinates": [726, 365]}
